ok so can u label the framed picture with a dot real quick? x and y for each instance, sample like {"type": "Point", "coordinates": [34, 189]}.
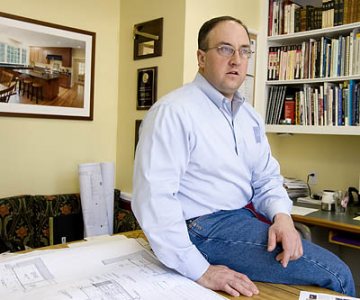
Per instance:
{"type": "Point", "coordinates": [148, 39]}
{"type": "Point", "coordinates": [146, 87]}
{"type": "Point", "coordinates": [49, 67]}
{"type": "Point", "coordinates": [137, 129]}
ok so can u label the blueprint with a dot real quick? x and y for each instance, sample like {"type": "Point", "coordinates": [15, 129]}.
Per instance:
{"type": "Point", "coordinates": [116, 269]}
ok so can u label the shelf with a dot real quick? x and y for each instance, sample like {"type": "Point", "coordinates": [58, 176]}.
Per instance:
{"type": "Point", "coordinates": [313, 80]}
{"type": "Point", "coordinates": [317, 33]}
{"type": "Point", "coordinates": [300, 129]}
{"type": "Point", "coordinates": [314, 98]}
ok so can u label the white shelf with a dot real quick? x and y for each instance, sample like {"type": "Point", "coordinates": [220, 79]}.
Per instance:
{"type": "Point", "coordinates": [329, 32]}
{"type": "Point", "coordinates": [313, 80]}
{"type": "Point", "coordinates": [300, 129]}
{"type": "Point", "coordinates": [296, 39]}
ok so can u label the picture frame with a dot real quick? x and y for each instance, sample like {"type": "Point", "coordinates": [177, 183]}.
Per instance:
{"type": "Point", "coordinates": [146, 87]}
{"type": "Point", "coordinates": [148, 38]}
{"type": "Point", "coordinates": [137, 132]}
{"type": "Point", "coordinates": [52, 66]}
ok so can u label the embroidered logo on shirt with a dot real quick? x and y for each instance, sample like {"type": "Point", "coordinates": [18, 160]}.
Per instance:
{"type": "Point", "coordinates": [257, 134]}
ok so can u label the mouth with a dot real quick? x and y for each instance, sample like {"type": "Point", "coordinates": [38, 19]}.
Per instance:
{"type": "Point", "coordinates": [232, 73]}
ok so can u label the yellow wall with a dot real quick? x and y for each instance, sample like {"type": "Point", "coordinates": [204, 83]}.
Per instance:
{"type": "Point", "coordinates": [335, 159]}
{"type": "Point", "coordinates": [182, 20]}
{"type": "Point", "coordinates": [40, 156]}
{"type": "Point", "coordinates": [170, 70]}
{"type": "Point", "coordinates": [199, 11]}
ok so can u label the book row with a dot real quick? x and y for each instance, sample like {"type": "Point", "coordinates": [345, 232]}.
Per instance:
{"type": "Point", "coordinates": [325, 57]}
{"type": "Point", "coordinates": [287, 16]}
{"type": "Point", "coordinates": [328, 104]}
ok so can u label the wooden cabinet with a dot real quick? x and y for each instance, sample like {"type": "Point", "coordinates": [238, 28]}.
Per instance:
{"type": "Point", "coordinates": [40, 55]}
{"type": "Point", "coordinates": [65, 80]}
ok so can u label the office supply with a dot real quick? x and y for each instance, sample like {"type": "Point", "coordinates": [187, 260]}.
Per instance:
{"type": "Point", "coordinates": [328, 200]}
{"type": "Point", "coordinates": [308, 200]}
{"type": "Point", "coordinates": [97, 197]}
{"type": "Point", "coordinates": [116, 267]}
{"type": "Point", "coordinates": [302, 211]}
{"type": "Point", "coordinates": [304, 295]}
{"type": "Point", "coordinates": [296, 188]}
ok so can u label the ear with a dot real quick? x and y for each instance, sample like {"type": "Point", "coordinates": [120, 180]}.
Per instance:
{"type": "Point", "coordinates": [201, 58]}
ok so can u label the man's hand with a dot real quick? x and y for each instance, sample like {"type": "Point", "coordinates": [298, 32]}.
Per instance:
{"type": "Point", "coordinates": [221, 278]}
{"type": "Point", "coordinates": [283, 231]}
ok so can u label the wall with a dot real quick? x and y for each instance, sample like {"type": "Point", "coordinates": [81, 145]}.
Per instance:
{"type": "Point", "coordinates": [182, 20]}
{"type": "Point", "coordinates": [335, 159]}
{"type": "Point", "coordinates": [199, 11]}
{"type": "Point", "coordinates": [40, 156]}
{"type": "Point", "coordinates": [170, 70]}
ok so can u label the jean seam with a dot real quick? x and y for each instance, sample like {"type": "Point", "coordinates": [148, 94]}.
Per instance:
{"type": "Point", "coordinates": [324, 267]}
{"type": "Point", "coordinates": [204, 238]}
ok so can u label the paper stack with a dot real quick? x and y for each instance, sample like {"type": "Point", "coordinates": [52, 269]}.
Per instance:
{"type": "Point", "coordinates": [296, 188]}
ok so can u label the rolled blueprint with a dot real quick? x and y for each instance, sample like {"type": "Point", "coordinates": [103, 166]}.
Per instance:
{"type": "Point", "coordinates": [97, 197]}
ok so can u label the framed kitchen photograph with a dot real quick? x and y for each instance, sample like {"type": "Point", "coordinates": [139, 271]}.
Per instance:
{"type": "Point", "coordinates": [146, 87]}
{"type": "Point", "coordinates": [46, 69]}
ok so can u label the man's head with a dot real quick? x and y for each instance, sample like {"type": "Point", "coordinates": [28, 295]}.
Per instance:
{"type": "Point", "coordinates": [223, 52]}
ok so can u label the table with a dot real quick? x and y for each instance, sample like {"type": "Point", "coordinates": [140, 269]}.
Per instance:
{"type": "Point", "coordinates": [331, 220]}
{"type": "Point", "coordinates": [268, 291]}
{"type": "Point", "coordinates": [50, 82]}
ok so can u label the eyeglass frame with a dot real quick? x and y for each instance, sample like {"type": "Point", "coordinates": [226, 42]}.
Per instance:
{"type": "Point", "coordinates": [246, 55]}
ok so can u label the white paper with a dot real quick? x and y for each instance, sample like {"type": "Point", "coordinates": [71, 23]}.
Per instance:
{"type": "Point", "coordinates": [251, 62]}
{"type": "Point", "coordinates": [108, 175]}
{"type": "Point", "coordinates": [302, 211]}
{"type": "Point", "coordinates": [97, 197]}
{"type": "Point", "coordinates": [247, 89]}
{"type": "Point", "coordinates": [318, 296]}
{"type": "Point", "coordinates": [115, 269]}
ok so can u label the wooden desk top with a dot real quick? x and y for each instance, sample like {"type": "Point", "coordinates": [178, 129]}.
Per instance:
{"type": "Point", "coordinates": [268, 291]}
{"type": "Point", "coordinates": [332, 220]}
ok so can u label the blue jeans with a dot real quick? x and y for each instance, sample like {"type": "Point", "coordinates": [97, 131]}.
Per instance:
{"type": "Point", "coordinates": [237, 239]}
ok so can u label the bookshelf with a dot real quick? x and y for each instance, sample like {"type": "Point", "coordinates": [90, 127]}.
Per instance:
{"type": "Point", "coordinates": [312, 85]}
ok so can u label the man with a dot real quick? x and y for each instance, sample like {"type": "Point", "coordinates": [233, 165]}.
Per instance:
{"type": "Point", "coordinates": [202, 157]}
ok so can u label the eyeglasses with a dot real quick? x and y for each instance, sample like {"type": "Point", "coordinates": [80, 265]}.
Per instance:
{"type": "Point", "coordinates": [229, 51]}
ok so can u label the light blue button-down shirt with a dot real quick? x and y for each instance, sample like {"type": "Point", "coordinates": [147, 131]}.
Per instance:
{"type": "Point", "coordinates": [199, 153]}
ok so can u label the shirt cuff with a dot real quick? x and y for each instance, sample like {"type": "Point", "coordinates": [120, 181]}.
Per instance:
{"type": "Point", "coordinates": [277, 208]}
{"type": "Point", "coordinates": [195, 265]}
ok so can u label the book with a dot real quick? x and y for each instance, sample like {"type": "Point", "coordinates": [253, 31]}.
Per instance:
{"type": "Point", "coordinates": [289, 109]}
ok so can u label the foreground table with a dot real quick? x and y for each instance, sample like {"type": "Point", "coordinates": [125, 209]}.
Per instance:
{"type": "Point", "coordinates": [268, 291]}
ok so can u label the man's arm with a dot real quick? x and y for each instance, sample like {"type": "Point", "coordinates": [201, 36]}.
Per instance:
{"type": "Point", "coordinates": [161, 159]}
{"type": "Point", "coordinates": [271, 199]}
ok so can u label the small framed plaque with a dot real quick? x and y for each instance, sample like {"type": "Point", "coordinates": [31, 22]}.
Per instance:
{"type": "Point", "coordinates": [146, 87]}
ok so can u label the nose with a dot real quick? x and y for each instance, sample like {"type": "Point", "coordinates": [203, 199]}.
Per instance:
{"type": "Point", "coordinates": [236, 58]}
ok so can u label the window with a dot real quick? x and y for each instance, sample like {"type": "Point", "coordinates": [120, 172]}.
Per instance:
{"type": "Point", "coordinates": [2, 52]}
{"type": "Point", "coordinates": [81, 68]}
{"type": "Point", "coordinates": [12, 55]}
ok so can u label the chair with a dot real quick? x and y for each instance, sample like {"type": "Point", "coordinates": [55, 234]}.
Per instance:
{"type": "Point", "coordinates": [26, 86]}
{"type": "Point", "coordinates": [36, 91]}
{"type": "Point", "coordinates": [6, 78]}
{"type": "Point", "coordinates": [6, 93]}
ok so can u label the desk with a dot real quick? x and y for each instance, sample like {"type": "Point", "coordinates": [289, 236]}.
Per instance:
{"type": "Point", "coordinates": [268, 291]}
{"type": "Point", "coordinates": [332, 220]}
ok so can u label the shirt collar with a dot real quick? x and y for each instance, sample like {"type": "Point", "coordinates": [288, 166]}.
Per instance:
{"type": "Point", "coordinates": [216, 97]}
